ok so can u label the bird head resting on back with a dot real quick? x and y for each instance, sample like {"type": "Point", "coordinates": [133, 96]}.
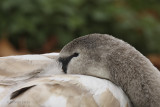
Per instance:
{"type": "Point", "coordinates": [104, 56]}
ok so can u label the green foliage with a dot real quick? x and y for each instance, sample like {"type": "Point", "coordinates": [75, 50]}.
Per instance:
{"type": "Point", "coordinates": [134, 21]}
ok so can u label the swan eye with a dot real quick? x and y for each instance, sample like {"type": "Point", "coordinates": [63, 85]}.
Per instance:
{"type": "Point", "coordinates": [75, 54]}
{"type": "Point", "coordinates": [65, 61]}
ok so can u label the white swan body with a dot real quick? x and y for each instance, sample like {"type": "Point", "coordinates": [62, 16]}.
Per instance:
{"type": "Point", "coordinates": [37, 81]}
{"type": "Point", "coordinates": [67, 91]}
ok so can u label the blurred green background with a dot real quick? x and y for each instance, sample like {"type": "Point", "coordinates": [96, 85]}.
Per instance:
{"type": "Point", "coordinates": [40, 26]}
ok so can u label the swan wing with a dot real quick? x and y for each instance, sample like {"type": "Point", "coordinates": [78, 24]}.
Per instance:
{"type": "Point", "coordinates": [17, 68]}
{"type": "Point", "coordinates": [65, 91]}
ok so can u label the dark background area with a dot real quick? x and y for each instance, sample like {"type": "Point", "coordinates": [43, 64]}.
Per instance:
{"type": "Point", "coordinates": [42, 26]}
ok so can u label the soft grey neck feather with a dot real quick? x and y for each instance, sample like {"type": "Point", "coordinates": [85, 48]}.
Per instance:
{"type": "Point", "coordinates": [135, 74]}
{"type": "Point", "coordinates": [127, 67]}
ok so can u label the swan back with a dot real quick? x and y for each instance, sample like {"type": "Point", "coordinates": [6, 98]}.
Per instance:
{"type": "Point", "coordinates": [38, 81]}
{"type": "Point", "coordinates": [66, 91]}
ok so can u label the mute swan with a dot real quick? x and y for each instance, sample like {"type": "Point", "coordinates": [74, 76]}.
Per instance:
{"type": "Point", "coordinates": [104, 56]}
{"type": "Point", "coordinates": [38, 81]}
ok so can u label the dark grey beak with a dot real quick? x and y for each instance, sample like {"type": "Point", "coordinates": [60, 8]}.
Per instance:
{"type": "Point", "coordinates": [65, 61]}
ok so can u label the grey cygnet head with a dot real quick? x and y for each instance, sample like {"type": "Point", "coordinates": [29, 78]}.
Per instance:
{"type": "Point", "coordinates": [104, 56]}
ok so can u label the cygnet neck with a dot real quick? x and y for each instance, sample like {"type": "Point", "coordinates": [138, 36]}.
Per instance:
{"type": "Point", "coordinates": [136, 75]}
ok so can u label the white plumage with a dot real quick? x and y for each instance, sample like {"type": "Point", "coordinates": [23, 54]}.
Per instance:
{"type": "Point", "coordinates": [38, 81]}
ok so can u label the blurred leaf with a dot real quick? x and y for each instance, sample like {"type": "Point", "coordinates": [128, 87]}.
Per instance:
{"type": "Point", "coordinates": [134, 21]}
